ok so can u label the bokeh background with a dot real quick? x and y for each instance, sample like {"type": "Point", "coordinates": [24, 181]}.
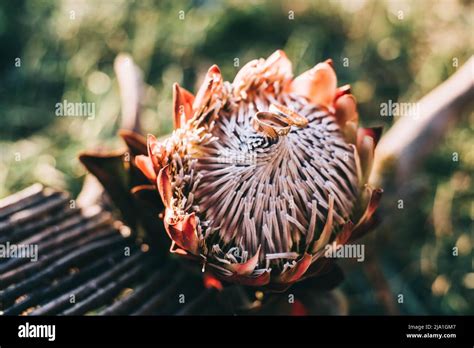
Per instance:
{"type": "Point", "coordinates": [395, 50]}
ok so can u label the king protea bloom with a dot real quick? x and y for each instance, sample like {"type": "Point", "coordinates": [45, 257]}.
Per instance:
{"type": "Point", "coordinates": [261, 174]}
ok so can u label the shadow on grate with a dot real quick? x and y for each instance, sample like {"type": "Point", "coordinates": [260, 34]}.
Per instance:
{"type": "Point", "coordinates": [57, 259]}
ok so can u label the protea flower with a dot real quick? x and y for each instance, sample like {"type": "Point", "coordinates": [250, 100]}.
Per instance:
{"type": "Point", "coordinates": [262, 173]}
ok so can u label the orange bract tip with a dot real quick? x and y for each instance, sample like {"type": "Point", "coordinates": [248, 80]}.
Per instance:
{"type": "Point", "coordinates": [294, 273]}
{"type": "Point", "coordinates": [209, 89]}
{"type": "Point", "coordinates": [317, 84]}
{"type": "Point", "coordinates": [164, 186]}
{"type": "Point", "coordinates": [343, 90]}
{"type": "Point", "coordinates": [145, 164]}
{"type": "Point", "coordinates": [183, 105]}
{"type": "Point", "coordinates": [245, 268]}
{"type": "Point", "coordinates": [183, 232]}
{"type": "Point", "coordinates": [211, 282]}
{"type": "Point", "coordinates": [346, 110]}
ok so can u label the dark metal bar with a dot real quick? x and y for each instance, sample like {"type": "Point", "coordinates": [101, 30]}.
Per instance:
{"type": "Point", "coordinates": [21, 200]}
{"type": "Point", "coordinates": [150, 306]}
{"type": "Point", "coordinates": [58, 304]}
{"type": "Point", "coordinates": [48, 293]}
{"type": "Point", "coordinates": [139, 295]}
{"type": "Point", "coordinates": [23, 231]}
{"type": "Point", "coordinates": [29, 269]}
{"type": "Point", "coordinates": [69, 238]}
{"type": "Point", "coordinates": [52, 201]}
{"type": "Point", "coordinates": [52, 238]}
{"type": "Point", "coordinates": [198, 305]}
{"type": "Point", "coordinates": [59, 266]}
{"type": "Point", "coordinates": [105, 295]}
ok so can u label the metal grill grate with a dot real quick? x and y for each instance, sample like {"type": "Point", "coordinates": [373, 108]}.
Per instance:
{"type": "Point", "coordinates": [87, 263]}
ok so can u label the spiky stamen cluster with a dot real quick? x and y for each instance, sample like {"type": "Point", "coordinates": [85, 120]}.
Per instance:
{"type": "Point", "coordinates": [257, 191]}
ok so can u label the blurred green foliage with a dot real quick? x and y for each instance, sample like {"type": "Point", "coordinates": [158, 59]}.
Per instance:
{"type": "Point", "coordinates": [387, 50]}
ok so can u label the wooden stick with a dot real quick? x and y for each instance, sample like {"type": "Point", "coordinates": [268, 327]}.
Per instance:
{"type": "Point", "coordinates": [411, 139]}
{"type": "Point", "coordinates": [130, 82]}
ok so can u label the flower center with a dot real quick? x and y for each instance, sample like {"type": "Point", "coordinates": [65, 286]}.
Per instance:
{"type": "Point", "coordinates": [267, 181]}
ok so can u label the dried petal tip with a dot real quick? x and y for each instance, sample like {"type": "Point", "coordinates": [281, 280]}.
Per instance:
{"type": "Point", "coordinates": [346, 110]}
{"type": "Point", "coordinates": [164, 186]}
{"type": "Point", "coordinates": [183, 105]}
{"type": "Point", "coordinates": [145, 164]}
{"type": "Point", "coordinates": [263, 76]}
{"type": "Point", "coordinates": [245, 268]}
{"type": "Point", "coordinates": [183, 232]}
{"type": "Point", "coordinates": [317, 84]}
{"type": "Point", "coordinates": [213, 77]}
{"type": "Point", "coordinates": [343, 90]}
{"type": "Point", "coordinates": [280, 63]}
{"type": "Point", "coordinates": [329, 62]}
